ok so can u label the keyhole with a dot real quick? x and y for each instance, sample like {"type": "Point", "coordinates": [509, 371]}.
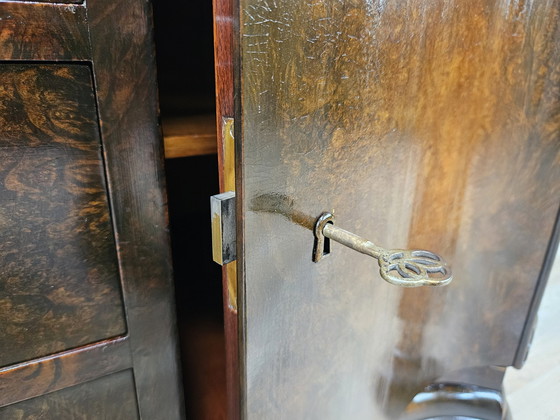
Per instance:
{"type": "Point", "coordinates": [322, 244]}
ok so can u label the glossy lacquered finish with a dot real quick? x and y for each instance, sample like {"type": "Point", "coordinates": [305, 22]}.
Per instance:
{"type": "Point", "coordinates": [124, 66]}
{"type": "Point", "coordinates": [61, 286]}
{"type": "Point", "coordinates": [91, 400]}
{"type": "Point", "coordinates": [43, 32]}
{"type": "Point", "coordinates": [86, 292]}
{"type": "Point", "coordinates": [423, 124]}
{"type": "Point", "coordinates": [224, 27]}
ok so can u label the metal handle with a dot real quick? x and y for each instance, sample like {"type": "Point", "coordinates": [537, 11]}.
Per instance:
{"type": "Point", "coordinates": [406, 268]}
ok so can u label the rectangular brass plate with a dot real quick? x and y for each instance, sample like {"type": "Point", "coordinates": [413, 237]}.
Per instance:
{"type": "Point", "coordinates": [229, 185]}
{"type": "Point", "coordinates": [223, 227]}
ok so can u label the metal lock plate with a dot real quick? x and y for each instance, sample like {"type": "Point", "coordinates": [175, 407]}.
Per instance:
{"type": "Point", "coordinates": [222, 206]}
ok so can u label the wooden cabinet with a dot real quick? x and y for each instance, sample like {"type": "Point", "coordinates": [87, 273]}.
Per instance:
{"type": "Point", "coordinates": [432, 125]}
{"type": "Point", "coordinates": [426, 125]}
{"type": "Point", "coordinates": [86, 315]}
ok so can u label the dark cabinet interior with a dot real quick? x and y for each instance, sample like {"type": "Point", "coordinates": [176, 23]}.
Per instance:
{"type": "Point", "coordinates": [184, 51]}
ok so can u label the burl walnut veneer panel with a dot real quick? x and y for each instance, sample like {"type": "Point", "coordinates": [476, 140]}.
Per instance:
{"type": "Point", "coordinates": [59, 282]}
{"type": "Point", "coordinates": [43, 31]}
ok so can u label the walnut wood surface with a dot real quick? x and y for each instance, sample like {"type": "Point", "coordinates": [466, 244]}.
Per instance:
{"type": "Point", "coordinates": [43, 32]}
{"type": "Point", "coordinates": [60, 285]}
{"type": "Point", "coordinates": [32, 379]}
{"type": "Point", "coordinates": [428, 124]}
{"type": "Point", "coordinates": [119, 49]}
{"type": "Point", "coordinates": [124, 68]}
{"type": "Point", "coordinates": [224, 27]}
{"type": "Point", "coordinates": [189, 136]}
{"type": "Point", "coordinates": [110, 398]}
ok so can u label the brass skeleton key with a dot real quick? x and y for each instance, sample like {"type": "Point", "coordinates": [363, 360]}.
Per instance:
{"type": "Point", "coordinates": [405, 268]}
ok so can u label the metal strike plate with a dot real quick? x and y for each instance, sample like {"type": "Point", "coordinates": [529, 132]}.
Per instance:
{"type": "Point", "coordinates": [222, 206]}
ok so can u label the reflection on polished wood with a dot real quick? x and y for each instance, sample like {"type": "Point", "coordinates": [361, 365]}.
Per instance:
{"type": "Point", "coordinates": [532, 392]}
{"type": "Point", "coordinates": [224, 26]}
{"type": "Point", "coordinates": [189, 136]}
{"type": "Point", "coordinates": [94, 399]}
{"type": "Point", "coordinates": [49, 374]}
{"type": "Point", "coordinates": [82, 187]}
{"type": "Point", "coordinates": [431, 124]}
{"type": "Point", "coordinates": [123, 56]}
{"type": "Point", "coordinates": [60, 285]}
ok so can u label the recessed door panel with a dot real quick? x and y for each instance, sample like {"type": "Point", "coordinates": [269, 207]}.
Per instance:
{"type": "Point", "coordinates": [421, 124]}
{"type": "Point", "coordinates": [60, 285]}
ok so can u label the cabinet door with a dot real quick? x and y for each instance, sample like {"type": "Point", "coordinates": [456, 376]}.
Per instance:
{"type": "Point", "coordinates": [86, 305]}
{"type": "Point", "coordinates": [418, 124]}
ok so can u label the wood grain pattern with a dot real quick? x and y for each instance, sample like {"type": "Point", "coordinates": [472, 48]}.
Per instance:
{"type": "Point", "coordinates": [43, 32]}
{"type": "Point", "coordinates": [431, 124]}
{"type": "Point", "coordinates": [224, 27]}
{"type": "Point", "coordinates": [61, 370]}
{"type": "Point", "coordinates": [224, 21]}
{"type": "Point", "coordinates": [89, 401]}
{"type": "Point", "coordinates": [60, 286]}
{"type": "Point", "coordinates": [189, 136]}
{"type": "Point", "coordinates": [59, 157]}
{"type": "Point", "coordinates": [124, 69]}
